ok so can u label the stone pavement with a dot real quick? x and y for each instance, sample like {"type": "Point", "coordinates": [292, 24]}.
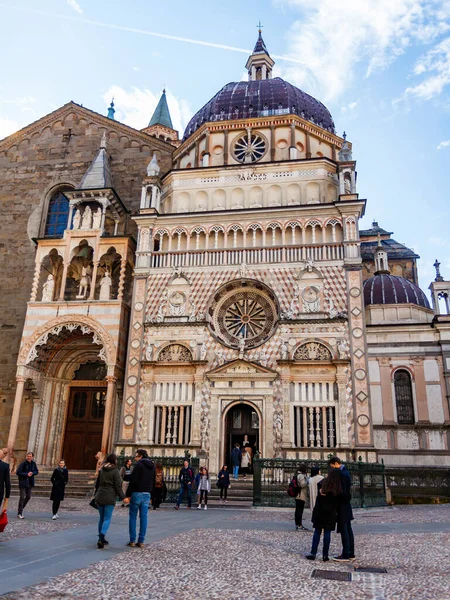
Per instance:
{"type": "Point", "coordinates": [225, 554]}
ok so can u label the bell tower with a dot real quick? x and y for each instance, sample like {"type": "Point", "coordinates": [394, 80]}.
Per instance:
{"type": "Point", "coordinates": [259, 64]}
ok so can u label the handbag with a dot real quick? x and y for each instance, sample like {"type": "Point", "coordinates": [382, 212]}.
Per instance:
{"type": "Point", "coordinates": [3, 521]}
{"type": "Point", "coordinates": [93, 503]}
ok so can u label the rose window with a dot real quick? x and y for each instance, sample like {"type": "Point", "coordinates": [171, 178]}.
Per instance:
{"type": "Point", "coordinates": [250, 148]}
{"type": "Point", "coordinates": [243, 312]}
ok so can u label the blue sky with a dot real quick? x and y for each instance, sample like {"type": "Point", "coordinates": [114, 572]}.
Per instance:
{"type": "Point", "coordinates": [382, 67]}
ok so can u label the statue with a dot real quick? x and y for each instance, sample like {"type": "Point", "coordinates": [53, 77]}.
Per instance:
{"type": "Point", "coordinates": [342, 348]}
{"type": "Point", "coordinates": [203, 351]}
{"type": "Point", "coordinates": [48, 289]}
{"type": "Point", "coordinates": [77, 219]}
{"type": "Point", "coordinates": [153, 168]}
{"type": "Point", "coordinates": [85, 282]}
{"type": "Point", "coordinates": [162, 308]}
{"type": "Point", "coordinates": [284, 351]}
{"type": "Point", "coordinates": [97, 218]}
{"type": "Point", "coordinates": [193, 313]}
{"type": "Point", "coordinates": [105, 286]}
{"type": "Point", "coordinates": [263, 358]}
{"type": "Point", "coordinates": [86, 221]}
{"type": "Point", "coordinates": [243, 271]}
{"type": "Point", "coordinates": [241, 346]}
{"type": "Point", "coordinates": [149, 352]}
{"type": "Point", "coordinates": [278, 426]}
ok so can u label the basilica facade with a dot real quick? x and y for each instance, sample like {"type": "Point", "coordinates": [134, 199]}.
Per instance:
{"type": "Point", "coordinates": [187, 294]}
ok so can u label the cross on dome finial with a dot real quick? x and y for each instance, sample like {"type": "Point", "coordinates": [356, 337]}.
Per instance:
{"type": "Point", "coordinates": [344, 136]}
{"type": "Point", "coordinates": [436, 265]}
{"type": "Point", "coordinates": [259, 26]}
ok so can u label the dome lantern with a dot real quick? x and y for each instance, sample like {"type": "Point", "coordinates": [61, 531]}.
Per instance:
{"type": "Point", "coordinates": [259, 64]}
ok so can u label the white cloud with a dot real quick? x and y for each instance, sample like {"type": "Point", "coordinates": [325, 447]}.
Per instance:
{"type": "Point", "coordinates": [135, 68]}
{"type": "Point", "coordinates": [443, 145]}
{"type": "Point", "coordinates": [333, 38]}
{"type": "Point", "coordinates": [349, 108]}
{"type": "Point", "coordinates": [435, 240]}
{"type": "Point", "coordinates": [7, 127]}
{"type": "Point", "coordinates": [76, 7]}
{"type": "Point", "coordinates": [136, 106]}
{"type": "Point", "coordinates": [434, 65]}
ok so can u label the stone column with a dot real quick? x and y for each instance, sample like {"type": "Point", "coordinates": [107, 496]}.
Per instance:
{"type": "Point", "coordinates": [386, 390]}
{"type": "Point", "coordinates": [421, 390]}
{"type": "Point", "coordinates": [308, 145]}
{"type": "Point", "coordinates": [102, 223]}
{"type": "Point", "coordinates": [34, 424]}
{"type": "Point", "coordinates": [63, 281]}
{"type": "Point", "coordinates": [20, 381]}
{"type": "Point", "coordinates": [106, 433]}
{"type": "Point", "coordinates": [69, 220]}
{"type": "Point", "coordinates": [272, 143]}
{"type": "Point", "coordinates": [93, 280]}
{"type": "Point", "coordinates": [225, 147]}
{"type": "Point", "coordinates": [197, 408]}
{"type": "Point", "coordinates": [123, 265]}
{"type": "Point", "coordinates": [34, 288]}
{"type": "Point", "coordinates": [341, 416]}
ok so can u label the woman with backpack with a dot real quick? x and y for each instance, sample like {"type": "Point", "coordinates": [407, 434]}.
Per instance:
{"type": "Point", "coordinates": [301, 497]}
{"type": "Point", "coordinates": [324, 515]}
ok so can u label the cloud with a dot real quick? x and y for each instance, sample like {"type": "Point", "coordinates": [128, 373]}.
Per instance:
{"type": "Point", "coordinates": [349, 107]}
{"type": "Point", "coordinates": [434, 65]}
{"type": "Point", "coordinates": [76, 7]}
{"type": "Point", "coordinates": [135, 107]}
{"type": "Point", "coordinates": [443, 145]}
{"type": "Point", "coordinates": [7, 127]}
{"type": "Point", "coordinates": [333, 40]}
{"type": "Point", "coordinates": [435, 240]}
{"type": "Point", "coordinates": [136, 68]}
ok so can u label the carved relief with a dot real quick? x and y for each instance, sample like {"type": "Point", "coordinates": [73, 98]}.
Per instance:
{"type": "Point", "coordinates": [312, 351]}
{"type": "Point", "coordinates": [175, 353]}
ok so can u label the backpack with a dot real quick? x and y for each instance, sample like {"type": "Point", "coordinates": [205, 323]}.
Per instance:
{"type": "Point", "coordinates": [293, 489]}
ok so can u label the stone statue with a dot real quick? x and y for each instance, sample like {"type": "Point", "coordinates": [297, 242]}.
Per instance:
{"type": "Point", "coordinates": [105, 286]}
{"type": "Point", "coordinates": [241, 346]}
{"type": "Point", "coordinates": [162, 308]}
{"type": "Point", "coordinates": [193, 313]}
{"type": "Point", "coordinates": [263, 358]}
{"type": "Point", "coordinates": [77, 219]}
{"type": "Point", "coordinates": [149, 352]}
{"type": "Point", "coordinates": [48, 289]}
{"type": "Point", "coordinates": [97, 218]}
{"type": "Point", "coordinates": [203, 351]}
{"type": "Point", "coordinates": [243, 271]}
{"type": "Point", "coordinates": [284, 351]}
{"type": "Point", "coordinates": [85, 282]}
{"type": "Point", "coordinates": [153, 168]}
{"type": "Point", "coordinates": [278, 427]}
{"type": "Point", "coordinates": [342, 348]}
{"type": "Point", "coordinates": [86, 221]}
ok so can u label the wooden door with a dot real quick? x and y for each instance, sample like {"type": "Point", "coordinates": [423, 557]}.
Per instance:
{"type": "Point", "coordinates": [241, 423]}
{"type": "Point", "coordinates": [84, 427]}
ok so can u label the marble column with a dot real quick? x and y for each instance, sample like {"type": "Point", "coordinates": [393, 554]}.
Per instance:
{"type": "Point", "coordinates": [20, 381]}
{"type": "Point", "coordinates": [106, 433]}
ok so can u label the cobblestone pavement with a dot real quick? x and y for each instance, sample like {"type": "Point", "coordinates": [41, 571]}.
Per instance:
{"type": "Point", "coordinates": [253, 564]}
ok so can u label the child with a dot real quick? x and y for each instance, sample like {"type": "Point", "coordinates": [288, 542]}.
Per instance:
{"type": "Point", "coordinates": [204, 487]}
{"type": "Point", "coordinates": [325, 513]}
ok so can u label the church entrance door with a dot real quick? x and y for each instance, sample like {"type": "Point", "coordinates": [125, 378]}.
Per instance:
{"type": "Point", "coordinates": [242, 427]}
{"type": "Point", "coordinates": [84, 427]}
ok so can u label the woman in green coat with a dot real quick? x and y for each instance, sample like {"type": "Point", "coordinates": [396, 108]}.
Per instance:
{"type": "Point", "coordinates": [107, 487]}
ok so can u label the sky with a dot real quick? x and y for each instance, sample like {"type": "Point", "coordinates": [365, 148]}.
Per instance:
{"type": "Point", "coordinates": [382, 68]}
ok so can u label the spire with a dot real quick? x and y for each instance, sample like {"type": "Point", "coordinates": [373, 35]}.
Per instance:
{"type": "Point", "coordinates": [381, 259]}
{"type": "Point", "coordinates": [98, 176]}
{"type": "Point", "coordinates": [161, 116]}
{"type": "Point", "coordinates": [111, 110]}
{"type": "Point", "coordinates": [259, 64]}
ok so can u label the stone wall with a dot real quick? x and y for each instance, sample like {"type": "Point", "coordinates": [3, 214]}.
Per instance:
{"type": "Point", "coordinates": [56, 149]}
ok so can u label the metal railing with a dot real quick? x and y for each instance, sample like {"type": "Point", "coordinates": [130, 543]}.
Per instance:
{"type": "Point", "coordinates": [271, 479]}
{"type": "Point", "coordinates": [418, 484]}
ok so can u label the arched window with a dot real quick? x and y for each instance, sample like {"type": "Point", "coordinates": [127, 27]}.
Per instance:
{"type": "Point", "coordinates": [404, 397]}
{"type": "Point", "coordinates": [57, 214]}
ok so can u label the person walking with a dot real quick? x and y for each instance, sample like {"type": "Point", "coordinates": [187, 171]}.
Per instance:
{"type": "Point", "coordinates": [125, 474]}
{"type": "Point", "coordinates": [160, 489]}
{"type": "Point", "coordinates": [107, 487]}
{"type": "Point", "coordinates": [236, 456]}
{"type": "Point", "coordinates": [245, 461]}
{"type": "Point", "coordinates": [345, 512]}
{"type": "Point", "coordinates": [300, 499]}
{"type": "Point", "coordinates": [223, 482]}
{"type": "Point", "coordinates": [59, 479]}
{"type": "Point", "coordinates": [204, 487]}
{"type": "Point", "coordinates": [197, 483]}
{"type": "Point", "coordinates": [139, 492]}
{"type": "Point", "coordinates": [324, 515]}
{"type": "Point", "coordinates": [5, 486]}
{"type": "Point", "coordinates": [26, 473]}
{"type": "Point", "coordinates": [186, 479]}
{"type": "Point", "coordinates": [312, 484]}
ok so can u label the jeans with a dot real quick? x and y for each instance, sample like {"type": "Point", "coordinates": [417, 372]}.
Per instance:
{"type": "Point", "coordinates": [316, 540]}
{"type": "Point", "coordinates": [184, 489]}
{"type": "Point", "coordinates": [139, 502]}
{"type": "Point", "coordinates": [235, 471]}
{"type": "Point", "coordinates": [299, 506]}
{"type": "Point", "coordinates": [348, 541]}
{"type": "Point", "coordinates": [25, 495]}
{"type": "Point", "coordinates": [105, 512]}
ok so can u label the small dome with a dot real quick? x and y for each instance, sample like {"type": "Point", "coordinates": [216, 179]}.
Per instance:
{"type": "Point", "coordinates": [260, 98]}
{"type": "Point", "coordinates": [389, 289]}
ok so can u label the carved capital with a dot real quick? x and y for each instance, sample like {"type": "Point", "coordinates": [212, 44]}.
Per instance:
{"type": "Point", "coordinates": [384, 361]}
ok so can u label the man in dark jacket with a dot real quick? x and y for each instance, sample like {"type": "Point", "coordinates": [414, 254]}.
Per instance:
{"type": "Point", "coordinates": [345, 513]}
{"type": "Point", "coordinates": [186, 480]}
{"type": "Point", "coordinates": [5, 484]}
{"type": "Point", "coordinates": [140, 489]}
{"type": "Point", "coordinates": [26, 473]}
{"type": "Point", "coordinates": [236, 456]}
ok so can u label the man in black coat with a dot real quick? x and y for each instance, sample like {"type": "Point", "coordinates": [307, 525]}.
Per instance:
{"type": "Point", "coordinates": [345, 512]}
{"type": "Point", "coordinates": [26, 473]}
{"type": "Point", "coordinates": [140, 489]}
{"type": "Point", "coordinates": [5, 484]}
{"type": "Point", "coordinates": [186, 480]}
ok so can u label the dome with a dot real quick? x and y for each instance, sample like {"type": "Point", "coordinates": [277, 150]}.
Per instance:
{"type": "Point", "coordinates": [260, 98]}
{"type": "Point", "coordinates": [389, 289]}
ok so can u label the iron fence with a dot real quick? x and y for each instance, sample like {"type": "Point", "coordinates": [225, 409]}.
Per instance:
{"type": "Point", "coordinates": [171, 466]}
{"type": "Point", "coordinates": [271, 479]}
{"type": "Point", "coordinates": [418, 484]}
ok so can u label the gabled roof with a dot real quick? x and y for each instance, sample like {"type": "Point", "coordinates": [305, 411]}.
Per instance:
{"type": "Point", "coordinates": [242, 368]}
{"type": "Point", "coordinates": [161, 116]}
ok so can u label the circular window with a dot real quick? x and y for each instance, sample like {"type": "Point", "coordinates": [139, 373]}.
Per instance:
{"type": "Point", "coordinates": [245, 310]}
{"type": "Point", "coordinates": [250, 148]}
